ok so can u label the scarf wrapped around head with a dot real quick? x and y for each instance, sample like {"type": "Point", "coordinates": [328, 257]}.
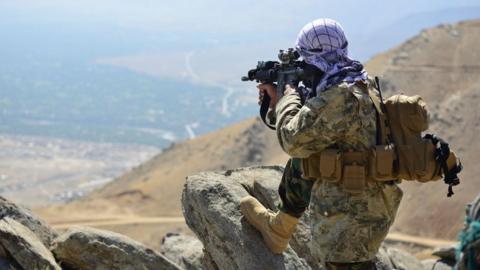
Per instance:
{"type": "Point", "coordinates": [322, 43]}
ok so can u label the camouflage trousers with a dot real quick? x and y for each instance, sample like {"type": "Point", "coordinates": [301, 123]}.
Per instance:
{"type": "Point", "coordinates": [345, 227]}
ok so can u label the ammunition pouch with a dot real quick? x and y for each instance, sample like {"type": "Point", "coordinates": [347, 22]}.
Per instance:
{"type": "Point", "coordinates": [348, 168]}
{"type": "Point", "coordinates": [417, 162]}
{"type": "Point", "coordinates": [331, 163]}
{"type": "Point", "coordinates": [381, 160]}
{"type": "Point", "coordinates": [383, 163]}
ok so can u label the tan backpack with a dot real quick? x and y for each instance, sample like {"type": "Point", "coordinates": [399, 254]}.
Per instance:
{"type": "Point", "coordinates": [403, 153]}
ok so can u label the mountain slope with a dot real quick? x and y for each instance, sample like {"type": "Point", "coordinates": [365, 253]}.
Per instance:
{"type": "Point", "coordinates": [440, 64]}
{"type": "Point", "coordinates": [160, 180]}
{"type": "Point", "coordinates": [154, 188]}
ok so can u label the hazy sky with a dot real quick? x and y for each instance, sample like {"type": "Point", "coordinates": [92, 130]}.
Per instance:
{"type": "Point", "coordinates": [213, 15]}
{"type": "Point", "coordinates": [230, 31]}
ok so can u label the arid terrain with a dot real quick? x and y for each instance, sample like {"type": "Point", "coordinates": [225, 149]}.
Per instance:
{"type": "Point", "coordinates": [39, 171]}
{"type": "Point", "coordinates": [440, 64]}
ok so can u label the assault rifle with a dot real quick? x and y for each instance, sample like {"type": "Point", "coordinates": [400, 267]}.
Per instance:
{"type": "Point", "coordinates": [288, 71]}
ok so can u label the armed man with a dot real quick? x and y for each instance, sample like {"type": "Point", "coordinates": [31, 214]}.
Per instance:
{"type": "Point", "coordinates": [329, 125]}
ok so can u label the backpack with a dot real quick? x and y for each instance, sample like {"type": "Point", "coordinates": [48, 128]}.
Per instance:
{"type": "Point", "coordinates": [468, 251]}
{"type": "Point", "coordinates": [401, 151]}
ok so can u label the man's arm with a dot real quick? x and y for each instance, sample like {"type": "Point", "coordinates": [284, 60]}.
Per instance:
{"type": "Point", "coordinates": [309, 129]}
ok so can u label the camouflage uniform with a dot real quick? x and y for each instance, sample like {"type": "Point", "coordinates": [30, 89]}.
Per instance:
{"type": "Point", "coordinates": [345, 227]}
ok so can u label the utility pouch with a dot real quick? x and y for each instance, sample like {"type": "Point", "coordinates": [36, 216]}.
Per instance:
{"type": "Point", "coordinates": [331, 165]}
{"type": "Point", "coordinates": [406, 162]}
{"type": "Point", "coordinates": [429, 168]}
{"type": "Point", "coordinates": [417, 162]}
{"type": "Point", "coordinates": [311, 167]}
{"type": "Point", "coordinates": [354, 178]}
{"type": "Point", "coordinates": [381, 162]}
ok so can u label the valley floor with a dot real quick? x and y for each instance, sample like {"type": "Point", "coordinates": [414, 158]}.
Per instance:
{"type": "Point", "coordinates": [39, 171]}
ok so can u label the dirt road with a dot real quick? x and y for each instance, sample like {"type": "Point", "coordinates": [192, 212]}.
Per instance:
{"type": "Point", "coordinates": [129, 220]}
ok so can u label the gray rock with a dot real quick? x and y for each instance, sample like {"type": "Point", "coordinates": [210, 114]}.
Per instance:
{"type": "Point", "coordinates": [24, 246]}
{"type": "Point", "coordinates": [445, 253]}
{"type": "Point", "coordinates": [211, 208]}
{"type": "Point", "coordinates": [88, 248]}
{"type": "Point", "coordinates": [402, 260]}
{"type": "Point", "coordinates": [208, 262]}
{"type": "Point", "coordinates": [435, 265]}
{"type": "Point", "coordinates": [266, 190]}
{"type": "Point", "coordinates": [184, 250]}
{"type": "Point", "coordinates": [382, 260]}
{"type": "Point", "coordinates": [41, 229]}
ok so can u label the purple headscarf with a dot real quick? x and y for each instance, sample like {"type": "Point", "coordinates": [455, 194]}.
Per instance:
{"type": "Point", "coordinates": [323, 43]}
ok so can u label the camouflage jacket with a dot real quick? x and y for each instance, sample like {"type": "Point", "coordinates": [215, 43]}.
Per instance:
{"type": "Point", "coordinates": [342, 116]}
{"type": "Point", "coordinates": [345, 227]}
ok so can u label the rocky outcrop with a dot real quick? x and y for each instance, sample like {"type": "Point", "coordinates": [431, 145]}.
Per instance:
{"type": "Point", "coordinates": [23, 215]}
{"type": "Point", "coordinates": [87, 248]}
{"type": "Point", "coordinates": [184, 250]}
{"type": "Point", "coordinates": [211, 208]}
{"type": "Point", "coordinates": [24, 246]}
{"type": "Point", "coordinates": [25, 243]}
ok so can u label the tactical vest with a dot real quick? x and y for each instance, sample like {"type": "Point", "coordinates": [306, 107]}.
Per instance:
{"type": "Point", "coordinates": [401, 153]}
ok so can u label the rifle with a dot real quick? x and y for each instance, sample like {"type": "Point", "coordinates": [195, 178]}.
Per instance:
{"type": "Point", "coordinates": [288, 71]}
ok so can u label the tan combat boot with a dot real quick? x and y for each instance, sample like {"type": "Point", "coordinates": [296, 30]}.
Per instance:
{"type": "Point", "coordinates": [276, 228]}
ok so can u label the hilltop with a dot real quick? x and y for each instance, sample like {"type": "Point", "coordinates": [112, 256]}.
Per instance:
{"type": "Point", "coordinates": [440, 64]}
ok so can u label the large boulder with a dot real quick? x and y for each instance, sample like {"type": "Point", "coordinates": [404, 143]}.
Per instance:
{"type": "Point", "coordinates": [41, 229]}
{"type": "Point", "coordinates": [210, 203]}
{"type": "Point", "coordinates": [24, 246]}
{"type": "Point", "coordinates": [88, 248]}
{"type": "Point", "coordinates": [211, 208]}
{"type": "Point", "coordinates": [184, 250]}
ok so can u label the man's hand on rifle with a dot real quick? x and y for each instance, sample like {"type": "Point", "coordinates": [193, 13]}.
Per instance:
{"type": "Point", "coordinates": [271, 91]}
